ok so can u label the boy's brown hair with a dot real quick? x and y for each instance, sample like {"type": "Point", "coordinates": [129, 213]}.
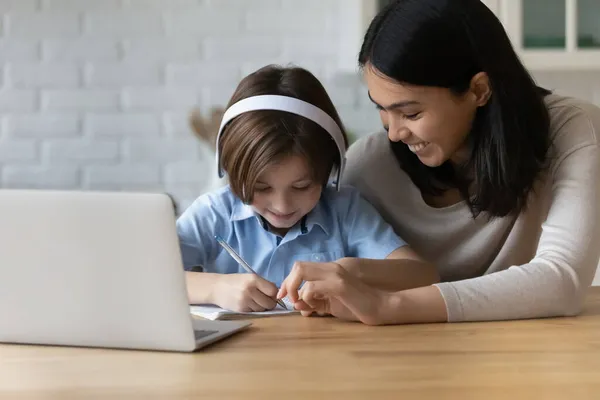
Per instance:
{"type": "Point", "coordinates": [257, 139]}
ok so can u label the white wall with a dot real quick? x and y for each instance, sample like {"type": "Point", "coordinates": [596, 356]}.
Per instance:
{"type": "Point", "coordinates": [94, 94]}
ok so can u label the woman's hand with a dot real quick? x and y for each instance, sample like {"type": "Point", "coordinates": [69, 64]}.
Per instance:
{"type": "Point", "coordinates": [330, 289]}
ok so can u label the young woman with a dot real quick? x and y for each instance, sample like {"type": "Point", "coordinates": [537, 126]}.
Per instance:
{"type": "Point", "coordinates": [493, 179]}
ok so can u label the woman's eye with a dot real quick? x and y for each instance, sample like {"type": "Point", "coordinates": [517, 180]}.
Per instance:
{"type": "Point", "coordinates": [302, 187]}
{"type": "Point", "coordinates": [412, 116]}
{"type": "Point", "coordinates": [261, 189]}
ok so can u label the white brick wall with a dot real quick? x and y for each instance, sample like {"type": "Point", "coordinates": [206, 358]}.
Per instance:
{"type": "Point", "coordinates": [79, 100]}
{"type": "Point", "coordinates": [79, 50]}
{"type": "Point", "coordinates": [41, 177]}
{"type": "Point", "coordinates": [100, 90]}
{"type": "Point", "coordinates": [16, 100]}
{"type": "Point", "coordinates": [80, 151]}
{"type": "Point", "coordinates": [94, 94]}
{"type": "Point", "coordinates": [118, 75]}
{"type": "Point", "coordinates": [41, 126]}
{"type": "Point", "coordinates": [43, 24]}
{"type": "Point", "coordinates": [18, 50]}
{"type": "Point", "coordinates": [123, 125]}
{"type": "Point", "coordinates": [35, 75]}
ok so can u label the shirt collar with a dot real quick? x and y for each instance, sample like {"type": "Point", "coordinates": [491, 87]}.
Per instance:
{"type": "Point", "coordinates": [243, 211]}
{"type": "Point", "coordinates": [317, 217]}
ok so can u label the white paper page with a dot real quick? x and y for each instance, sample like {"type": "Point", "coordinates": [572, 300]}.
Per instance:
{"type": "Point", "coordinates": [213, 312]}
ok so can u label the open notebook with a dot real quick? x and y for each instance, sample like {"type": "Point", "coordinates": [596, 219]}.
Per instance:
{"type": "Point", "coordinates": [213, 312]}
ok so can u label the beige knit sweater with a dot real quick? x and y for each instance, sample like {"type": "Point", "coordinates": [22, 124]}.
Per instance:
{"type": "Point", "coordinates": [537, 264]}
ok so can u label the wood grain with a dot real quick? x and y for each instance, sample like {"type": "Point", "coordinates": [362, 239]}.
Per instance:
{"type": "Point", "coordinates": [293, 357]}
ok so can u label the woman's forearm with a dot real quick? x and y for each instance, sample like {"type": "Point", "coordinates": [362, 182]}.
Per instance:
{"type": "Point", "coordinates": [392, 274]}
{"type": "Point", "coordinates": [418, 305]}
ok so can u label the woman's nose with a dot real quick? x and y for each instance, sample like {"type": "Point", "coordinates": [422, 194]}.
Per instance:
{"type": "Point", "coordinates": [398, 133]}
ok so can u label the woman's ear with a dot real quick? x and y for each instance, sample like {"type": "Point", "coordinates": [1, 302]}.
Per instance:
{"type": "Point", "coordinates": [480, 88]}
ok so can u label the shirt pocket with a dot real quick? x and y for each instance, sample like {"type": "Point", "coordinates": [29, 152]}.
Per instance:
{"type": "Point", "coordinates": [315, 256]}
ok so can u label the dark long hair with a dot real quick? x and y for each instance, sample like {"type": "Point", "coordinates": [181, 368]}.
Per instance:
{"type": "Point", "coordinates": [444, 43]}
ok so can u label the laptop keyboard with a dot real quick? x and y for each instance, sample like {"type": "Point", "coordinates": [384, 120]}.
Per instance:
{"type": "Point", "coordinates": [203, 333]}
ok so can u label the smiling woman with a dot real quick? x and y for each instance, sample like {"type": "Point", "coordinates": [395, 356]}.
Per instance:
{"type": "Point", "coordinates": [485, 174]}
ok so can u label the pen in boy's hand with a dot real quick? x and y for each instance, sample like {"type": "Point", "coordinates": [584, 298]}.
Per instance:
{"type": "Point", "coordinates": [242, 262]}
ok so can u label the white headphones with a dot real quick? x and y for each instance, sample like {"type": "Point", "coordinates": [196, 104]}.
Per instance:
{"type": "Point", "coordinates": [294, 106]}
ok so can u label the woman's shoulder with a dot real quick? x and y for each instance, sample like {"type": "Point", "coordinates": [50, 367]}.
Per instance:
{"type": "Point", "coordinates": [574, 123]}
{"type": "Point", "coordinates": [334, 197]}
{"type": "Point", "coordinates": [371, 159]}
{"type": "Point", "coordinates": [370, 148]}
{"type": "Point", "coordinates": [338, 202]}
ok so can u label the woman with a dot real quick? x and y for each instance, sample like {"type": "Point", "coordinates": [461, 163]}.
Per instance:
{"type": "Point", "coordinates": [491, 178]}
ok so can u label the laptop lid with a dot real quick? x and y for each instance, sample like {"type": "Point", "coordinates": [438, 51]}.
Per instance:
{"type": "Point", "coordinates": [100, 269]}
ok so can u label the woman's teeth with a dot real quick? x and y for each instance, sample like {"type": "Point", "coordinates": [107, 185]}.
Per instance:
{"type": "Point", "coordinates": [417, 147]}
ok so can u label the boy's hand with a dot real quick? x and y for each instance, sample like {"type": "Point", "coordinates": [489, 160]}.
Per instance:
{"type": "Point", "coordinates": [245, 293]}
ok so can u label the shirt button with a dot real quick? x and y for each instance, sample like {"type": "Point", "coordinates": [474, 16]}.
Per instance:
{"type": "Point", "coordinates": [317, 257]}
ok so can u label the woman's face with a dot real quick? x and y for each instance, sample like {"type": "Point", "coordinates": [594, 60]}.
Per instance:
{"type": "Point", "coordinates": [433, 122]}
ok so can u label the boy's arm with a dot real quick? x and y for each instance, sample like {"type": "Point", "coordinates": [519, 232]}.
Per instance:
{"type": "Point", "coordinates": [236, 292]}
{"type": "Point", "coordinates": [201, 286]}
{"type": "Point", "coordinates": [402, 269]}
{"type": "Point", "coordinates": [195, 230]}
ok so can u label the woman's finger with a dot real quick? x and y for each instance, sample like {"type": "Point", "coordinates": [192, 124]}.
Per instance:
{"type": "Point", "coordinates": [327, 282]}
{"type": "Point", "coordinates": [293, 281]}
{"type": "Point", "coordinates": [312, 297]}
{"type": "Point", "coordinates": [301, 306]}
{"type": "Point", "coordinates": [307, 271]}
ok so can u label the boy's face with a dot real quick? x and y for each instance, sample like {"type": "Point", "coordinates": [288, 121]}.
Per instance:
{"type": "Point", "coordinates": [285, 192]}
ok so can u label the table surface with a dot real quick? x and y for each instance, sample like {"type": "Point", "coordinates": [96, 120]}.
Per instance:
{"type": "Point", "coordinates": [290, 357]}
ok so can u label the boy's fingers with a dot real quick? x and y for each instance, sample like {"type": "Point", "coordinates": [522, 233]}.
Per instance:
{"type": "Point", "coordinates": [268, 288]}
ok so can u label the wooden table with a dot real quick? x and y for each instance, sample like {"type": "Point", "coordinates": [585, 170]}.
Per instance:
{"type": "Point", "coordinates": [292, 357]}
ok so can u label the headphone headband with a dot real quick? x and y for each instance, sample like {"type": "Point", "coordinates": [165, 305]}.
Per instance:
{"type": "Point", "coordinates": [291, 105]}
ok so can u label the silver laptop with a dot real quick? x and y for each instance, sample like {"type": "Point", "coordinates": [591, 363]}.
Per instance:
{"type": "Point", "coordinates": [96, 269]}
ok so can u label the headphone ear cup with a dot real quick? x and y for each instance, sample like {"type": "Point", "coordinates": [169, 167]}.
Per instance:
{"type": "Point", "coordinates": [334, 178]}
{"type": "Point", "coordinates": [220, 171]}
{"type": "Point", "coordinates": [340, 171]}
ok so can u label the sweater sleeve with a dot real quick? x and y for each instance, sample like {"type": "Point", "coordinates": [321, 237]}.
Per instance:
{"type": "Point", "coordinates": [555, 281]}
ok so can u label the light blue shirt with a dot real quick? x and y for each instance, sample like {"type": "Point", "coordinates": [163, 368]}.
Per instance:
{"type": "Point", "coordinates": [342, 224]}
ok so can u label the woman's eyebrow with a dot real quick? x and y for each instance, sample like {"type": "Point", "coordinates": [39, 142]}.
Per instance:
{"type": "Point", "coordinates": [393, 106]}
